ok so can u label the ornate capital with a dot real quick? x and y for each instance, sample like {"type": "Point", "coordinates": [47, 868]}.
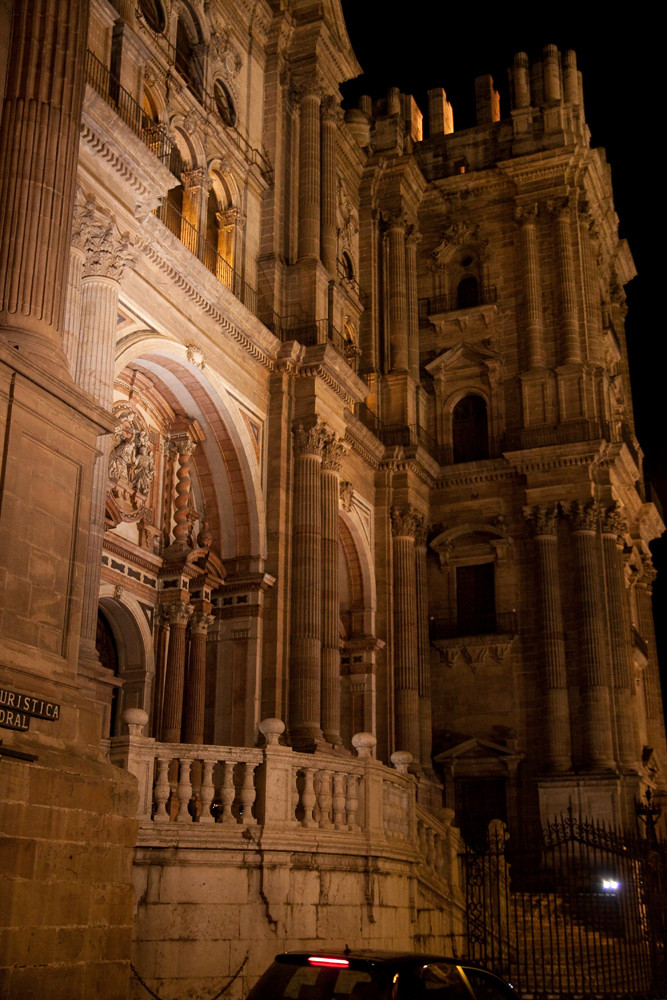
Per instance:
{"type": "Point", "coordinates": [526, 215]}
{"type": "Point", "coordinates": [559, 209]}
{"type": "Point", "coordinates": [200, 622]}
{"type": "Point", "coordinates": [333, 450]}
{"type": "Point", "coordinates": [197, 178]}
{"type": "Point", "coordinates": [178, 613]}
{"type": "Point", "coordinates": [331, 110]}
{"type": "Point", "coordinates": [185, 446]}
{"type": "Point", "coordinates": [420, 531]}
{"type": "Point", "coordinates": [543, 518]}
{"type": "Point", "coordinates": [613, 521]}
{"type": "Point", "coordinates": [584, 516]}
{"type": "Point", "coordinates": [106, 251]}
{"type": "Point", "coordinates": [309, 440]}
{"type": "Point", "coordinates": [405, 522]}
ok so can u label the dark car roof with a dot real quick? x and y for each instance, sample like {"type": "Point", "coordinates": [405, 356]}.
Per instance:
{"type": "Point", "coordinates": [368, 955]}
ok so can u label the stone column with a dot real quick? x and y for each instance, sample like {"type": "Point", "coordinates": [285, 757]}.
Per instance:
{"type": "Point", "coordinates": [179, 615]}
{"type": "Point", "coordinates": [331, 115]}
{"type": "Point", "coordinates": [396, 293]}
{"type": "Point", "coordinates": [571, 345]}
{"type": "Point", "coordinates": [161, 647]}
{"type": "Point", "coordinates": [411, 244]}
{"type": "Point", "coordinates": [655, 720]}
{"type": "Point", "coordinates": [39, 148]}
{"type": "Point", "coordinates": [195, 678]}
{"type": "Point", "coordinates": [332, 454]}
{"type": "Point", "coordinates": [107, 254]}
{"type": "Point", "coordinates": [309, 175]}
{"type": "Point", "coordinates": [306, 642]}
{"type": "Point", "coordinates": [556, 717]}
{"type": "Point", "coordinates": [526, 215]}
{"type": "Point", "coordinates": [627, 737]}
{"type": "Point", "coordinates": [404, 523]}
{"type": "Point", "coordinates": [594, 675]}
{"type": "Point", "coordinates": [185, 447]}
{"type": "Point", "coordinates": [196, 186]}
{"type": "Point", "coordinates": [423, 649]}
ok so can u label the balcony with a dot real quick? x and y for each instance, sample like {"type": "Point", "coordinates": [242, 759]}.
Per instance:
{"type": "Point", "coordinates": [318, 332]}
{"type": "Point", "coordinates": [472, 624]}
{"type": "Point", "coordinates": [177, 224]}
{"type": "Point", "coordinates": [475, 639]}
{"type": "Point", "coordinates": [152, 134]}
{"type": "Point", "coordinates": [435, 305]}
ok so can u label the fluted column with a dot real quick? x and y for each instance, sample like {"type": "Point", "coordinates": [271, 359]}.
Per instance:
{"type": "Point", "coordinates": [309, 175]}
{"type": "Point", "coordinates": [423, 649]}
{"type": "Point", "coordinates": [627, 737]}
{"type": "Point", "coordinates": [332, 454]}
{"type": "Point", "coordinates": [107, 254]}
{"type": "Point", "coordinates": [411, 244]}
{"type": "Point", "coordinates": [194, 701]}
{"type": "Point", "coordinates": [569, 320]}
{"type": "Point", "coordinates": [596, 737]}
{"type": "Point", "coordinates": [404, 523]}
{"type": "Point", "coordinates": [396, 293]}
{"type": "Point", "coordinates": [39, 145]}
{"type": "Point", "coordinates": [306, 645]}
{"type": "Point", "coordinates": [179, 615]}
{"type": "Point", "coordinates": [556, 716]}
{"type": "Point", "coordinates": [331, 115]}
{"type": "Point", "coordinates": [526, 215]}
{"type": "Point", "coordinates": [655, 720]}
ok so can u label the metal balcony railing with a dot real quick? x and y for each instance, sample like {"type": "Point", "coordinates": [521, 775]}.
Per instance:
{"type": "Point", "coordinates": [177, 224]}
{"type": "Point", "coordinates": [449, 302]}
{"type": "Point", "coordinates": [319, 331]}
{"type": "Point", "coordinates": [152, 134]}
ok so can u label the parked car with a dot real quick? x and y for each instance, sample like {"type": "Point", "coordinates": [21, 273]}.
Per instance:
{"type": "Point", "coordinates": [370, 975]}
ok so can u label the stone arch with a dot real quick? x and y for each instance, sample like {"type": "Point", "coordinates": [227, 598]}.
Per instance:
{"type": "Point", "coordinates": [131, 626]}
{"type": "Point", "coordinates": [452, 404]}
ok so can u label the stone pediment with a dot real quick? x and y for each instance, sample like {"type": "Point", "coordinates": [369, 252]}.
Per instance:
{"type": "Point", "coordinates": [464, 359]}
{"type": "Point", "coordinates": [476, 749]}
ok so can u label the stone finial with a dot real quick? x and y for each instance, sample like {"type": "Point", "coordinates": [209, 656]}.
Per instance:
{"type": "Point", "coordinates": [401, 759]}
{"type": "Point", "coordinates": [364, 744]}
{"type": "Point", "coordinates": [135, 719]}
{"type": "Point", "coordinates": [272, 730]}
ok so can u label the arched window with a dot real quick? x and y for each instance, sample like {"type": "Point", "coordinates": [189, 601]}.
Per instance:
{"type": "Point", "coordinates": [153, 15]}
{"type": "Point", "coordinates": [224, 103]}
{"type": "Point", "coordinates": [470, 433]}
{"type": "Point", "coordinates": [476, 599]}
{"type": "Point", "coordinates": [188, 58]}
{"type": "Point", "coordinates": [467, 292]}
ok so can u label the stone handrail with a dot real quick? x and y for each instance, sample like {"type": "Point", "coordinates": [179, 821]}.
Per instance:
{"type": "Point", "coordinates": [185, 786]}
{"type": "Point", "coordinates": [440, 844]}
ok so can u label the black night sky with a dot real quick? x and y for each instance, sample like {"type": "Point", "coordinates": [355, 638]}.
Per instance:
{"type": "Point", "coordinates": [447, 45]}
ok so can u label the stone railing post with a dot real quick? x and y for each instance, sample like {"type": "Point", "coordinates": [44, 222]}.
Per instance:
{"type": "Point", "coordinates": [275, 782]}
{"type": "Point", "coordinates": [135, 753]}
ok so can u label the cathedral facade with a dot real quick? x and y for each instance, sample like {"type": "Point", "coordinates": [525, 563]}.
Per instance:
{"type": "Point", "coordinates": [323, 527]}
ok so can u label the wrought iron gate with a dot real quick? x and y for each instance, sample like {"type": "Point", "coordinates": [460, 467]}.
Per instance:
{"type": "Point", "coordinates": [576, 911]}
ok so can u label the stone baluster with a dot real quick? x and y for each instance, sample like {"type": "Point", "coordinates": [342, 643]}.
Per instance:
{"type": "Point", "coordinates": [596, 744]}
{"type": "Point", "coordinates": [325, 798]}
{"type": "Point", "coordinates": [309, 174]}
{"type": "Point", "coordinates": [569, 320]}
{"type": "Point", "coordinates": [306, 645]}
{"type": "Point", "coordinates": [526, 215]}
{"type": "Point", "coordinates": [308, 797]}
{"type": "Point", "coordinates": [423, 648]}
{"type": "Point", "coordinates": [331, 116]}
{"type": "Point", "coordinates": [352, 801]}
{"type": "Point", "coordinates": [396, 293]}
{"type": "Point", "coordinates": [195, 678]}
{"type": "Point", "coordinates": [107, 254]}
{"type": "Point", "coordinates": [179, 615]}
{"type": "Point", "coordinates": [556, 715]}
{"type": "Point", "coordinates": [338, 801]}
{"type": "Point", "coordinates": [184, 791]}
{"type": "Point", "coordinates": [162, 790]}
{"type": "Point", "coordinates": [247, 794]}
{"type": "Point", "coordinates": [411, 244]}
{"type": "Point", "coordinates": [207, 792]}
{"type": "Point", "coordinates": [404, 523]}
{"type": "Point", "coordinates": [332, 452]}
{"type": "Point", "coordinates": [228, 792]}
{"type": "Point", "coordinates": [39, 143]}
{"type": "Point", "coordinates": [618, 622]}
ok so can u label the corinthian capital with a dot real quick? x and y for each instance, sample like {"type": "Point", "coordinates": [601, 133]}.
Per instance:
{"type": "Point", "coordinates": [107, 252]}
{"type": "Point", "coordinates": [405, 522]}
{"type": "Point", "coordinates": [584, 516]}
{"type": "Point", "coordinates": [309, 440]}
{"type": "Point", "coordinates": [543, 518]}
{"type": "Point", "coordinates": [613, 521]}
{"type": "Point", "coordinates": [333, 451]}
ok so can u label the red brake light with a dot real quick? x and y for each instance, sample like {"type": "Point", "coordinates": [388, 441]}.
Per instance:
{"type": "Point", "coordinates": [328, 963]}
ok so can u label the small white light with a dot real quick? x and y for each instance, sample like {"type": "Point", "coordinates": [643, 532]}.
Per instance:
{"type": "Point", "coordinates": [610, 885]}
